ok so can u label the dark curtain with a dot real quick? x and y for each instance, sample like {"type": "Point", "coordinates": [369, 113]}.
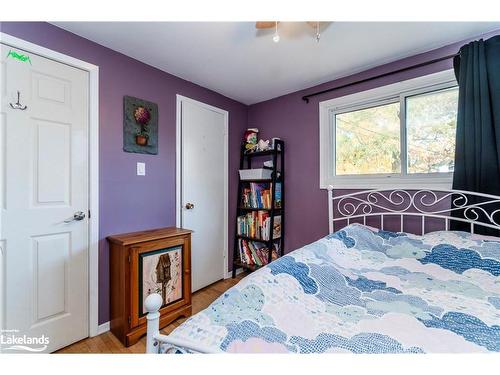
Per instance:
{"type": "Point", "coordinates": [477, 155]}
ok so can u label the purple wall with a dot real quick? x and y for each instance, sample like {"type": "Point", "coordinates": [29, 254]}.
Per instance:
{"type": "Point", "coordinates": [296, 122]}
{"type": "Point", "coordinates": [129, 202]}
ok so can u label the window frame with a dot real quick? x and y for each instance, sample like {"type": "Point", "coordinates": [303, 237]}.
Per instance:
{"type": "Point", "coordinates": [393, 93]}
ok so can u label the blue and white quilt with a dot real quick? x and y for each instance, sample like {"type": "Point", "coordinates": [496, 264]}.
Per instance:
{"type": "Point", "coordinates": [363, 291]}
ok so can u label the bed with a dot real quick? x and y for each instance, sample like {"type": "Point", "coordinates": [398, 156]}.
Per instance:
{"type": "Point", "coordinates": [362, 289]}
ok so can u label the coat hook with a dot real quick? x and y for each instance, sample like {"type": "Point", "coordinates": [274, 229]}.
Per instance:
{"type": "Point", "coordinates": [18, 105]}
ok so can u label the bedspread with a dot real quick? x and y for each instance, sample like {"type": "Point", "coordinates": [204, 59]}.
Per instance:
{"type": "Point", "coordinates": [363, 291]}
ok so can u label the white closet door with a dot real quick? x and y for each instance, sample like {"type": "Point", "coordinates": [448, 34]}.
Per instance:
{"type": "Point", "coordinates": [203, 176]}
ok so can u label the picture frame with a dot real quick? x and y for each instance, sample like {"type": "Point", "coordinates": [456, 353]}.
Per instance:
{"type": "Point", "coordinates": [140, 126]}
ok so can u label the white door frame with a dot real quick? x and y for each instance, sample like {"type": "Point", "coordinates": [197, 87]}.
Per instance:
{"type": "Point", "coordinates": [178, 169]}
{"type": "Point", "coordinates": [93, 70]}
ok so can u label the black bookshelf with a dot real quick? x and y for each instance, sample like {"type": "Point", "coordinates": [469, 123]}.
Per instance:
{"type": "Point", "coordinates": [277, 155]}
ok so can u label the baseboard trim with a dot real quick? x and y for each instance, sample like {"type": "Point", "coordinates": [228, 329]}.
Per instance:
{"type": "Point", "coordinates": [230, 273]}
{"type": "Point", "coordinates": [104, 327]}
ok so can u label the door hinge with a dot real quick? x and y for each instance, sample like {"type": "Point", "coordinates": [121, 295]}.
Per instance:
{"type": "Point", "coordinates": [89, 214]}
{"type": "Point", "coordinates": [129, 319]}
{"type": "Point", "coordinates": [129, 258]}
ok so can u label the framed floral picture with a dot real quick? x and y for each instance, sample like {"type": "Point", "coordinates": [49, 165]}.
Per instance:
{"type": "Point", "coordinates": [140, 126]}
{"type": "Point", "coordinates": [160, 271]}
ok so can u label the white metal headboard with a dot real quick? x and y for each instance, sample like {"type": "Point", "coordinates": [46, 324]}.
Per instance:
{"type": "Point", "coordinates": [423, 203]}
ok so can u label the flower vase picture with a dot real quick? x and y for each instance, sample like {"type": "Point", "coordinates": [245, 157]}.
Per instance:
{"type": "Point", "coordinates": [140, 126]}
{"type": "Point", "coordinates": [142, 117]}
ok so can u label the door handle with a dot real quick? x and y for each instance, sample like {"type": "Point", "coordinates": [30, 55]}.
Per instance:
{"type": "Point", "coordinates": [189, 206]}
{"type": "Point", "coordinates": [77, 216]}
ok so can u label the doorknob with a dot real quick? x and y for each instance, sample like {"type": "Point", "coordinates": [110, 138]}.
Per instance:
{"type": "Point", "coordinates": [77, 216]}
{"type": "Point", "coordinates": [189, 206]}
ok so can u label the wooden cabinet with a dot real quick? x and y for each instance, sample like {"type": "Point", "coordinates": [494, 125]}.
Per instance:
{"type": "Point", "coordinates": [144, 262]}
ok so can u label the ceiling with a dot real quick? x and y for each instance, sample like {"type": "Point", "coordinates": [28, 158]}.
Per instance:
{"type": "Point", "coordinates": [240, 62]}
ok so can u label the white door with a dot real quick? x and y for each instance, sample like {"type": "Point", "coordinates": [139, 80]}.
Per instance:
{"type": "Point", "coordinates": [44, 181]}
{"type": "Point", "coordinates": [204, 186]}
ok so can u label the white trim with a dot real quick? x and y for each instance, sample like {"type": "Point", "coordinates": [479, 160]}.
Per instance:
{"type": "Point", "coordinates": [93, 70]}
{"type": "Point", "coordinates": [103, 328]}
{"type": "Point", "coordinates": [229, 274]}
{"type": "Point", "coordinates": [178, 160]}
{"type": "Point", "coordinates": [178, 169]}
{"type": "Point", "coordinates": [364, 99]}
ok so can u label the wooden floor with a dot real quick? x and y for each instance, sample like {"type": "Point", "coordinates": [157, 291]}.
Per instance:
{"type": "Point", "coordinates": [108, 343]}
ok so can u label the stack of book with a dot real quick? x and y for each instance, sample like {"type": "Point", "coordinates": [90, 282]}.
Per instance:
{"type": "Point", "coordinates": [258, 195]}
{"type": "Point", "coordinates": [257, 225]}
{"type": "Point", "coordinates": [256, 253]}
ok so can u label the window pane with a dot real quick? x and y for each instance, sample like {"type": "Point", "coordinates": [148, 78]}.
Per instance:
{"type": "Point", "coordinates": [368, 141]}
{"type": "Point", "coordinates": [431, 120]}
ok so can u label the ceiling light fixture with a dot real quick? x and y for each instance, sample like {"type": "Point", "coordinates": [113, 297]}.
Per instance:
{"type": "Point", "coordinates": [276, 37]}
{"type": "Point", "coordinates": [315, 25]}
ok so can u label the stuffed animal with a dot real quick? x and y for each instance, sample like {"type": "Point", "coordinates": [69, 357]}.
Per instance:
{"type": "Point", "coordinates": [250, 138]}
{"type": "Point", "coordinates": [263, 145]}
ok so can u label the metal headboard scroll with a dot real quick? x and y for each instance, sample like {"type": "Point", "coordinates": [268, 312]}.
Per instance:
{"type": "Point", "coordinates": [423, 203]}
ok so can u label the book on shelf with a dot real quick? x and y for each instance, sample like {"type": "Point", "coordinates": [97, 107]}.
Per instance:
{"type": "Point", "coordinates": [257, 224]}
{"type": "Point", "coordinates": [258, 195]}
{"type": "Point", "coordinates": [277, 227]}
{"type": "Point", "coordinates": [277, 195]}
{"type": "Point", "coordinates": [256, 253]}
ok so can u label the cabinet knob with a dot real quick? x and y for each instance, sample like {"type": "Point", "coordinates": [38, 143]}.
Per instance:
{"type": "Point", "coordinates": [189, 206]}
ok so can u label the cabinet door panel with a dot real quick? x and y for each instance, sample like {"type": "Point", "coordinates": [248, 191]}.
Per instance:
{"type": "Point", "coordinates": [158, 267]}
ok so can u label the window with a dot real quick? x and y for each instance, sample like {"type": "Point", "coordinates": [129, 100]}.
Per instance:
{"type": "Point", "coordinates": [400, 135]}
{"type": "Point", "coordinates": [366, 135]}
{"type": "Point", "coordinates": [431, 121]}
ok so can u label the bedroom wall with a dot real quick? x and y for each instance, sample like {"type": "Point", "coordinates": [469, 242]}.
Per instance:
{"type": "Point", "coordinates": [297, 123]}
{"type": "Point", "coordinates": [129, 202]}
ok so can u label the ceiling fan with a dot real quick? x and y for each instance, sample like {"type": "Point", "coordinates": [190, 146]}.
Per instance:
{"type": "Point", "coordinates": [260, 25]}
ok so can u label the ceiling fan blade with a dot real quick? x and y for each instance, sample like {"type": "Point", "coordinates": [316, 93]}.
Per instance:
{"type": "Point", "coordinates": [265, 24]}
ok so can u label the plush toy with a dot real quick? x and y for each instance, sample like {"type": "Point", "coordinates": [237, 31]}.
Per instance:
{"type": "Point", "coordinates": [250, 138]}
{"type": "Point", "coordinates": [263, 145]}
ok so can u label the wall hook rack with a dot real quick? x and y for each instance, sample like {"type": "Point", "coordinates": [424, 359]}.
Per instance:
{"type": "Point", "coordinates": [18, 105]}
